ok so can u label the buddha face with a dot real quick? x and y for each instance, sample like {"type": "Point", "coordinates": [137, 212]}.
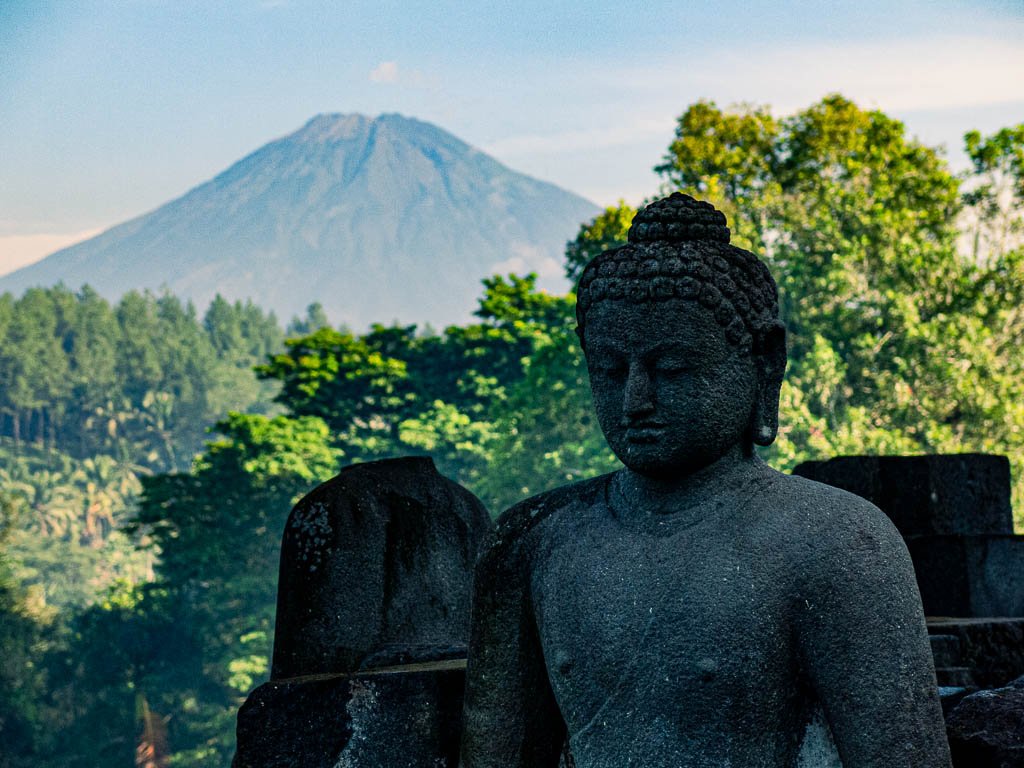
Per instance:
{"type": "Point", "coordinates": [672, 395]}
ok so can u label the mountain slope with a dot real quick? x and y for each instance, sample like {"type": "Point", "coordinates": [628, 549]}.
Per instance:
{"type": "Point", "coordinates": [378, 219]}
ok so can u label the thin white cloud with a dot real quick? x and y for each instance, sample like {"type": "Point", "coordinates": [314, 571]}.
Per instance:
{"type": "Point", "coordinates": [385, 72]}
{"type": "Point", "coordinates": [528, 258]}
{"type": "Point", "coordinates": [604, 137]}
{"type": "Point", "coordinates": [899, 75]}
{"type": "Point", "coordinates": [389, 73]}
{"type": "Point", "coordinates": [17, 251]}
{"type": "Point", "coordinates": [958, 72]}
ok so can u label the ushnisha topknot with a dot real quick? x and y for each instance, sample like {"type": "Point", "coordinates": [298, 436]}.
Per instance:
{"type": "Point", "coordinates": [678, 247]}
{"type": "Point", "coordinates": [678, 218]}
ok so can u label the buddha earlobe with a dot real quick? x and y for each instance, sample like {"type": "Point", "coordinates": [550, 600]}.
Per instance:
{"type": "Point", "coordinates": [766, 416]}
{"type": "Point", "coordinates": [771, 368]}
{"type": "Point", "coordinates": [764, 434]}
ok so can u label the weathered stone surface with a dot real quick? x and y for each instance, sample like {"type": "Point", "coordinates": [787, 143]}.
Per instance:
{"type": "Point", "coordinates": [926, 495]}
{"type": "Point", "coordinates": [970, 576]}
{"type": "Point", "coordinates": [954, 513]}
{"type": "Point", "coordinates": [398, 654]}
{"type": "Point", "coordinates": [695, 608]}
{"type": "Point", "coordinates": [993, 649]}
{"type": "Point", "coordinates": [381, 554]}
{"type": "Point", "coordinates": [401, 717]}
{"type": "Point", "coordinates": [986, 729]}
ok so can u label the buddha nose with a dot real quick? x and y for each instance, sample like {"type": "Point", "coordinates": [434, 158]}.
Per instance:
{"type": "Point", "coordinates": [639, 397]}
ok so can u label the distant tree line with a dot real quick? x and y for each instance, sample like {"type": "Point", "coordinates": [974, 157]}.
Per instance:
{"type": "Point", "coordinates": [142, 378]}
{"type": "Point", "coordinates": [903, 288]}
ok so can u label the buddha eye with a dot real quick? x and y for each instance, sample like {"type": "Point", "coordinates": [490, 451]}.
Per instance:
{"type": "Point", "coordinates": [609, 367]}
{"type": "Point", "coordinates": [672, 365]}
{"type": "Point", "coordinates": [612, 370]}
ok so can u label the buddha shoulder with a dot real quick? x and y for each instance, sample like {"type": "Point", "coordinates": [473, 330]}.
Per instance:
{"type": "Point", "coordinates": [823, 520]}
{"type": "Point", "coordinates": [517, 522]}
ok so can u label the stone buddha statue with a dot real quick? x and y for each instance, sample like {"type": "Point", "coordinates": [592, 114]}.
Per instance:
{"type": "Point", "coordinates": [695, 608]}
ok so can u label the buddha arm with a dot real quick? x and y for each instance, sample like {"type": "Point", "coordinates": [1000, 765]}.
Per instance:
{"type": "Point", "coordinates": [510, 718]}
{"type": "Point", "coordinates": [865, 647]}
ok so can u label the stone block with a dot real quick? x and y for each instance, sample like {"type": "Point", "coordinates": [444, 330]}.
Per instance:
{"type": "Point", "coordinates": [993, 649]}
{"type": "Point", "coordinates": [381, 554]}
{"type": "Point", "coordinates": [396, 717]}
{"type": "Point", "coordinates": [969, 576]}
{"type": "Point", "coordinates": [945, 650]}
{"type": "Point", "coordinates": [927, 495]}
{"type": "Point", "coordinates": [954, 677]}
{"type": "Point", "coordinates": [986, 729]}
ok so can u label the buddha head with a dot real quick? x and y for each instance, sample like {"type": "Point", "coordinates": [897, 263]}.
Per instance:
{"type": "Point", "coordinates": [683, 341]}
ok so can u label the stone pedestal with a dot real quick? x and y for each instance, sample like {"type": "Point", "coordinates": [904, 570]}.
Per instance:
{"type": "Point", "coordinates": [974, 576]}
{"type": "Point", "coordinates": [397, 717]}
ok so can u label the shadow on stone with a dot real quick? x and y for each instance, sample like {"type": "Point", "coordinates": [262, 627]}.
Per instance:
{"type": "Point", "coordinates": [381, 719]}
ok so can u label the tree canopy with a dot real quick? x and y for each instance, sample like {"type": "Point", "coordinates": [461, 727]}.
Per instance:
{"type": "Point", "coordinates": [901, 339]}
{"type": "Point", "coordinates": [137, 571]}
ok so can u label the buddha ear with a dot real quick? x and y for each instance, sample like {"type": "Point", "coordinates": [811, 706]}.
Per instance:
{"type": "Point", "coordinates": [771, 366]}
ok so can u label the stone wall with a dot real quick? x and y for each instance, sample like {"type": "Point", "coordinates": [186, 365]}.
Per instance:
{"type": "Point", "coordinates": [373, 613]}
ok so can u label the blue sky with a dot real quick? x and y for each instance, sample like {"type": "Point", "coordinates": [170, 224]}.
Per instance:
{"type": "Point", "coordinates": [109, 109]}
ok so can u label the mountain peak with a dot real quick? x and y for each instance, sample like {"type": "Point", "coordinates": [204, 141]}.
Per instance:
{"type": "Point", "coordinates": [378, 219]}
{"type": "Point", "coordinates": [333, 126]}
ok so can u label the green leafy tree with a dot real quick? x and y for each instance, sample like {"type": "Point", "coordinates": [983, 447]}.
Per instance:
{"type": "Point", "coordinates": [899, 340]}
{"type": "Point", "coordinates": [470, 434]}
{"type": "Point", "coordinates": [315, 319]}
{"type": "Point", "coordinates": [729, 158]}
{"type": "Point", "coordinates": [218, 533]}
{"type": "Point", "coordinates": [22, 684]}
{"type": "Point", "coordinates": [357, 391]}
{"type": "Point", "coordinates": [995, 194]}
{"type": "Point", "coordinates": [92, 398]}
{"type": "Point", "coordinates": [606, 230]}
{"type": "Point", "coordinates": [545, 432]}
{"type": "Point", "coordinates": [33, 367]}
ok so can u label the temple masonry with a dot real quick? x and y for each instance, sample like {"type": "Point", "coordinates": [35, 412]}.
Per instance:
{"type": "Point", "coordinates": [372, 621]}
{"type": "Point", "coordinates": [374, 591]}
{"type": "Point", "coordinates": [954, 514]}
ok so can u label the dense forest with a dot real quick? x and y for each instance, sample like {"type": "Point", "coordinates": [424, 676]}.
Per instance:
{"type": "Point", "coordinates": [150, 455]}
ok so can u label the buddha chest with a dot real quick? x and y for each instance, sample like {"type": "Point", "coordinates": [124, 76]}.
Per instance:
{"type": "Point", "coordinates": [674, 629]}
